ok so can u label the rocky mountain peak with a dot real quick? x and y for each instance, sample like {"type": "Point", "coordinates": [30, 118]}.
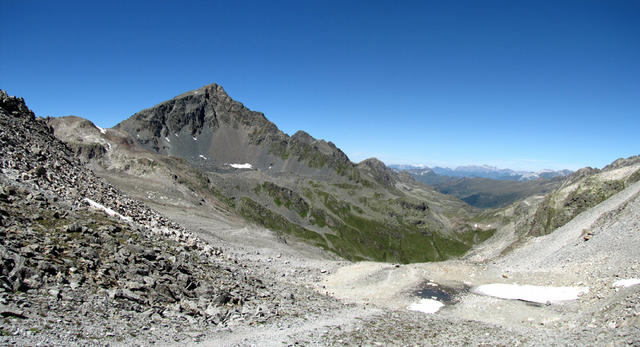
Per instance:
{"type": "Point", "coordinates": [192, 123]}
{"type": "Point", "coordinates": [208, 128]}
{"type": "Point", "coordinates": [373, 163]}
{"type": "Point", "coordinates": [209, 91]}
{"type": "Point", "coordinates": [303, 136]}
{"type": "Point", "coordinates": [379, 171]}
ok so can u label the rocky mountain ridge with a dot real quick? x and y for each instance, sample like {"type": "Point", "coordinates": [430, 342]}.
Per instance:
{"type": "Point", "coordinates": [583, 190]}
{"type": "Point", "coordinates": [541, 214]}
{"type": "Point", "coordinates": [299, 187]}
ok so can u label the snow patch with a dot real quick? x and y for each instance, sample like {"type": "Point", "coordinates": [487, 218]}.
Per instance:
{"type": "Point", "coordinates": [627, 282]}
{"type": "Point", "coordinates": [241, 166]}
{"type": "Point", "coordinates": [106, 209]}
{"type": "Point", "coordinates": [539, 294]}
{"type": "Point", "coordinates": [108, 146]}
{"type": "Point", "coordinates": [166, 138]}
{"type": "Point", "coordinates": [426, 306]}
{"type": "Point", "coordinates": [202, 156]}
{"type": "Point", "coordinates": [101, 130]}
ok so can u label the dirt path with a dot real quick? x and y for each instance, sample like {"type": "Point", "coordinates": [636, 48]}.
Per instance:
{"type": "Point", "coordinates": [289, 331]}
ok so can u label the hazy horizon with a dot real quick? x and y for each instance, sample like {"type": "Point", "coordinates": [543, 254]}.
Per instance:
{"type": "Point", "coordinates": [518, 85]}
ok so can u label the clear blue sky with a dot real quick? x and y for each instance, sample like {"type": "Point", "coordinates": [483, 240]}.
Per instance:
{"type": "Point", "coordinates": [518, 84]}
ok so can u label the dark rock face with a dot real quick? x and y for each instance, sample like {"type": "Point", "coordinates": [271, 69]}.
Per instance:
{"type": "Point", "coordinates": [208, 128]}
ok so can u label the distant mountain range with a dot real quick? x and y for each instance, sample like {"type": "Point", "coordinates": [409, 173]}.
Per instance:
{"type": "Point", "coordinates": [482, 171]}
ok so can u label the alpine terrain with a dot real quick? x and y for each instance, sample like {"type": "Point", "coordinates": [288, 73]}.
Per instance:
{"type": "Point", "coordinates": [198, 222]}
{"type": "Point", "coordinates": [302, 188]}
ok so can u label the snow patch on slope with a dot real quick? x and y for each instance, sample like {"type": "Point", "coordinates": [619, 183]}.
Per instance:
{"type": "Point", "coordinates": [539, 294]}
{"type": "Point", "coordinates": [106, 210]}
{"type": "Point", "coordinates": [241, 166]}
{"type": "Point", "coordinates": [627, 282]}
{"type": "Point", "coordinates": [426, 306]}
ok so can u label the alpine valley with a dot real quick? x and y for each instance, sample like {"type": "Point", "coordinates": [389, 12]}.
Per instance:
{"type": "Point", "coordinates": [198, 221]}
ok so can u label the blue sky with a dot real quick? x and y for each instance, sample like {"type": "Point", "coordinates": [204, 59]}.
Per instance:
{"type": "Point", "coordinates": [518, 84]}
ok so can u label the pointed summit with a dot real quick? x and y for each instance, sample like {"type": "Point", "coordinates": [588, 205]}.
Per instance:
{"type": "Point", "coordinates": [209, 90]}
{"type": "Point", "coordinates": [209, 129]}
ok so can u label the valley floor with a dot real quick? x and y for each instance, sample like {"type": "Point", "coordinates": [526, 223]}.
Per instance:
{"type": "Point", "coordinates": [366, 302]}
{"type": "Point", "coordinates": [327, 301]}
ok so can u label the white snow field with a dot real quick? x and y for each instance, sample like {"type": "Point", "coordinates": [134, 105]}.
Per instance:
{"type": "Point", "coordinates": [426, 306]}
{"type": "Point", "coordinates": [539, 294]}
{"type": "Point", "coordinates": [627, 282]}
{"type": "Point", "coordinates": [106, 209]}
{"type": "Point", "coordinates": [241, 166]}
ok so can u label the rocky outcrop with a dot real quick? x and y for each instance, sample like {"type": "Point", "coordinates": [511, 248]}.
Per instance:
{"type": "Point", "coordinates": [379, 172]}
